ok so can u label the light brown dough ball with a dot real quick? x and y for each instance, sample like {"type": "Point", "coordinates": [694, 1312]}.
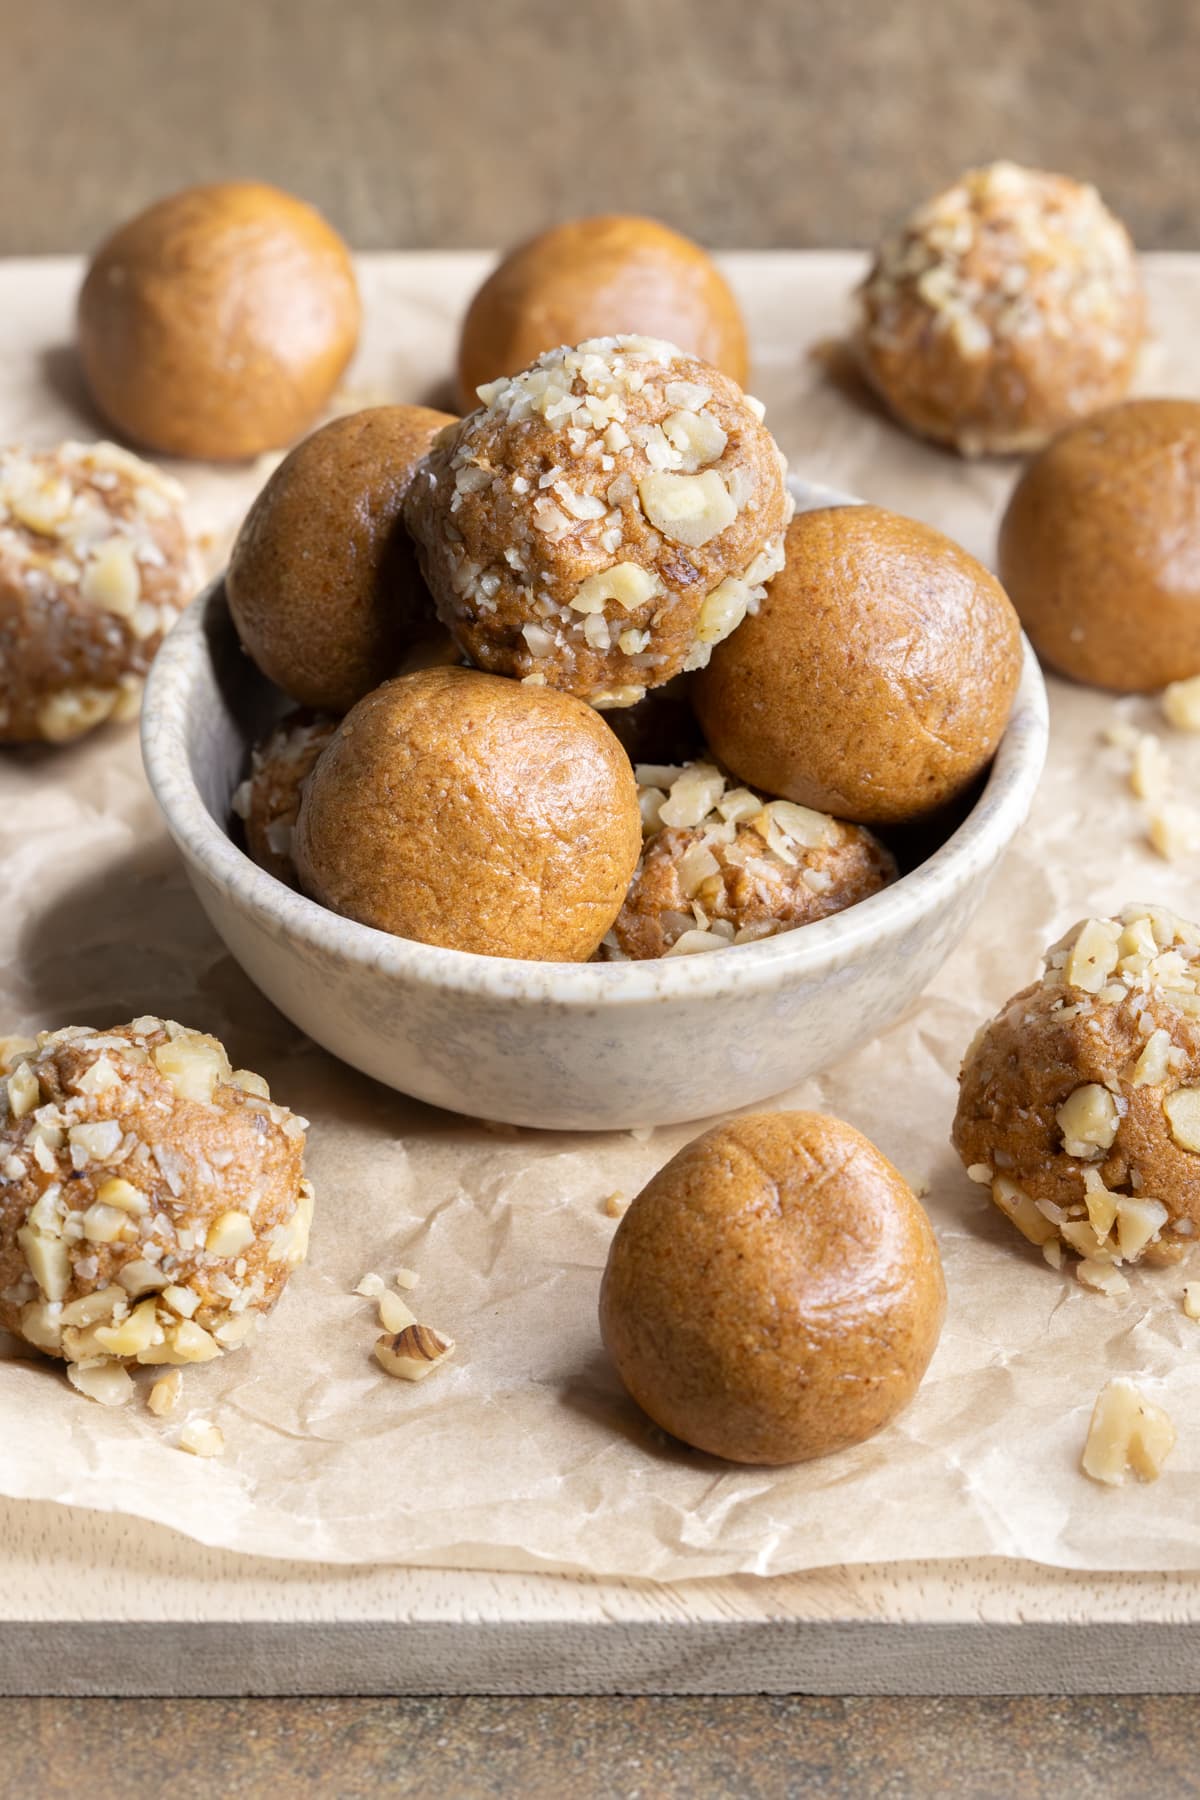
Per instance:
{"type": "Point", "coordinates": [1004, 308]}
{"type": "Point", "coordinates": [152, 1200]}
{"type": "Point", "coordinates": [603, 520]}
{"type": "Point", "coordinates": [775, 1293]}
{"type": "Point", "coordinates": [268, 801]}
{"type": "Point", "coordinates": [876, 678]}
{"type": "Point", "coordinates": [1079, 1103]}
{"type": "Point", "coordinates": [322, 582]}
{"type": "Point", "coordinates": [597, 277]}
{"type": "Point", "coordinates": [1100, 547]}
{"type": "Point", "coordinates": [96, 563]}
{"type": "Point", "coordinates": [218, 322]}
{"type": "Point", "coordinates": [723, 865]}
{"type": "Point", "coordinates": [471, 812]}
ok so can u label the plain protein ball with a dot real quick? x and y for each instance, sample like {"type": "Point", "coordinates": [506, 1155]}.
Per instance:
{"type": "Point", "coordinates": [152, 1199]}
{"type": "Point", "coordinates": [1100, 547]}
{"type": "Point", "coordinates": [603, 520]}
{"type": "Point", "coordinates": [96, 563]}
{"type": "Point", "coordinates": [775, 1292]}
{"type": "Point", "coordinates": [724, 865]}
{"type": "Point", "coordinates": [268, 801]}
{"type": "Point", "coordinates": [877, 677]}
{"type": "Point", "coordinates": [322, 582]}
{"type": "Point", "coordinates": [1003, 309]}
{"type": "Point", "coordinates": [218, 322]}
{"type": "Point", "coordinates": [467, 811]}
{"type": "Point", "coordinates": [1079, 1103]}
{"type": "Point", "coordinates": [596, 277]}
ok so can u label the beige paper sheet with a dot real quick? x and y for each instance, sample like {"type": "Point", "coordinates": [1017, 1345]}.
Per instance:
{"type": "Point", "coordinates": [523, 1453]}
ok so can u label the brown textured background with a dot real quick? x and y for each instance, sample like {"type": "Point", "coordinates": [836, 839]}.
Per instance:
{"type": "Point", "coordinates": [450, 123]}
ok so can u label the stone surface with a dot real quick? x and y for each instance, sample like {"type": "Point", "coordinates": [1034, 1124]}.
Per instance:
{"type": "Point", "coordinates": [756, 1748]}
{"type": "Point", "coordinates": [772, 125]}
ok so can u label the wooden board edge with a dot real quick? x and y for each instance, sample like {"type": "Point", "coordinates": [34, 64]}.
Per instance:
{"type": "Point", "coordinates": [736, 1657]}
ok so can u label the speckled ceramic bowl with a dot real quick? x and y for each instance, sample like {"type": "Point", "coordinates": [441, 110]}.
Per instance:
{"type": "Point", "coordinates": [588, 1046]}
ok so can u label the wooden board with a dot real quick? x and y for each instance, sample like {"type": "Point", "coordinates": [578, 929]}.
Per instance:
{"type": "Point", "coordinates": [93, 1603]}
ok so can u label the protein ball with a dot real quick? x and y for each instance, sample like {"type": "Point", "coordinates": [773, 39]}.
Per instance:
{"type": "Point", "coordinates": [1100, 547]}
{"type": "Point", "coordinates": [1002, 309]}
{"type": "Point", "coordinates": [775, 1292]}
{"type": "Point", "coordinates": [723, 865]}
{"type": "Point", "coordinates": [463, 810]}
{"type": "Point", "coordinates": [603, 520]}
{"type": "Point", "coordinates": [218, 322]}
{"type": "Point", "coordinates": [593, 277]}
{"type": "Point", "coordinates": [877, 677]}
{"type": "Point", "coordinates": [152, 1199]}
{"type": "Point", "coordinates": [322, 582]}
{"type": "Point", "coordinates": [95, 565]}
{"type": "Point", "coordinates": [1079, 1103]}
{"type": "Point", "coordinates": [268, 801]}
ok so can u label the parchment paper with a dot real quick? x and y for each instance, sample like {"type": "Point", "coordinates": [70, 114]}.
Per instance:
{"type": "Point", "coordinates": [524, 1452]}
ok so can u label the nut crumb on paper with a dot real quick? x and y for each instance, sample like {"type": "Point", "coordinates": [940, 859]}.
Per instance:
{"type": "Point", "coordinates": [200, 1437]}
{"type": "Point", "coordinates": [1127, 1434]}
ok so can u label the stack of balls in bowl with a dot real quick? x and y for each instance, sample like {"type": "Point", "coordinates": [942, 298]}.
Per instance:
{"type": "Point", "coordinates": [569, 681]}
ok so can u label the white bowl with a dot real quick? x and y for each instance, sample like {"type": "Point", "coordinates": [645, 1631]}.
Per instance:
{"type": "Point", "coordinates": [591, 1046]}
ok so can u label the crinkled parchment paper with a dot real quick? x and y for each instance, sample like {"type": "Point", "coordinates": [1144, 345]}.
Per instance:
{"type": "Point", "coordinates": [523, 1452]}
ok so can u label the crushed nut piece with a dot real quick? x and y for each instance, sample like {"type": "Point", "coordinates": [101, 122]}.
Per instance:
{"type": "Point", "coordinates": [615, 1205]}
{"type": "Point", "coordinates": [1127, 1432]}
{"type": "Point", "coordinates": [106, 1382]}
{"type": "Point", "coordinates": [163, 1397]}
{"type": "Point", "coordinates": [1182, 1108]}
{"type": "Point", "coordinates": [1191, 1299]}
{"type": "Point", "coordinates": [201, 1438]}
{"type": "Point", "coordinates": [394, 1316]}
{"type": "Point", "coordinates": [1181, 704]}
{"type": "Point", "coordinates": [413, 1353]}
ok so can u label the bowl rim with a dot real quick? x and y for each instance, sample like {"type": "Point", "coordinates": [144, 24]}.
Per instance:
{"type": "Point", "coordinates": [814, 951]}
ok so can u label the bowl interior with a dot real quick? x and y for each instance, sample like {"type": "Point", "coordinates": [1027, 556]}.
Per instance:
{"type": "Point", "coordinates": [207, 704]}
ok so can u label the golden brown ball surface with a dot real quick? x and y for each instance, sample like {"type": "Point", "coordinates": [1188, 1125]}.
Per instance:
{"type": "Point", "coordinates": [268, 801]}
{"type": "Point", "coordinates": [1004, 308]}
{"type": "Point", "coordinates": [218, 322]}
{"type": "Point", "coordinates": [472, 812]}
{"type": "Point", "coordinates": [96, 563]}
{"type": "Point", "coordinates": [1079, 1103]}
{"type": "Point", "coordinates": [723, 865]}
{"type": "Point", "coordinates": [152, 1199]}
{"type": "Point", "coordinates": [775, 1292]}
{"type": "Point", "coordinates": [322, 582]}
{"type": "Point", "coordinates": [876, 678]}
{"type": "Point", "coordinates": [1100, 547]}
{"type": "Point", "coordinates": [602, 520]}
{"type": "Point", "coordinates": [597, 277]}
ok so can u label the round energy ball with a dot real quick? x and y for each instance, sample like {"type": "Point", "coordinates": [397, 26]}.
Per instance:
{"type": "Point", "coordinates": [877, 676]}
{"type": "Point", "coordinates": [467, 811]}
{"type": "Point", "coordinates": [218, 322]}
{"type": "Point", "coordinates": [152, 1199]}
{"type": "Point", "coordinates": [775, 1293]}
{"type": "Point", "coordinates": [268, 801]}
{"type": "Point", "coordinates": [603, 520]}
{"type": "Point", "coordinates": [723, 865]}
{"type": "Point", "coordinates": [593, 278]}
{"type": "Point", "coordinates": [1100, 547]}
{"type": "Point", "coordinates": [322, 582]}
{"type": "Point", "coordinates": [1003, 308]}
{"type": "Point", "coordinates": [95, 565]}
{"type": "Point", "coordinates": [1079, 1103]}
